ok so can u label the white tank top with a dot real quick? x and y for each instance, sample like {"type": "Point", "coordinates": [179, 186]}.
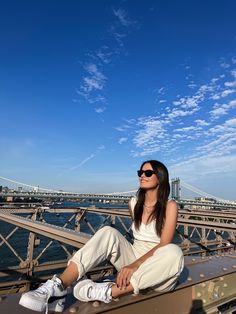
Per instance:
{"type": "Point", "coordinates": [145, 232]}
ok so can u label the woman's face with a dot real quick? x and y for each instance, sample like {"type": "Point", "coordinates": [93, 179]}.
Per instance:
{"type": "Point", "coordinates": [147, 182]}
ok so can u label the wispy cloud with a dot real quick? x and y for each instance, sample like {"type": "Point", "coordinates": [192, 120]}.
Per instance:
{"type": "Point", "coordinates": [203, 165]}
{"type": "Point", "coordinates": [98, 150]}
{"type": "Point", "coordinates": [104, 55]}
{"type": "Point", "coordinates": [233, 82]}
{"type": "Point", "coordinates": [223, 94]}
{"type": "Point", "coordinates": [101, 147]}
{"type": "Point", "coordinates": [221, 140]}
{"type": "Point", "coordinates": [100, 110]}
{"type": "Point", "coordinates": [121, 27]}
{"type": "Point", "coordinates": [161, 90]}
{"type": "Point", "coordinates": [220, 110]}
{"type": "Point", "coordinates": [122, 15]}
{"type": "Point", "coordinates": [84, 161]}
{"type": "Point", "coordinates": [93, 86]}
{"type": "Point", "coordinates": [225, 65]}
{"type": "Point", "coordinates": [187, 127]}
{"type": "Point", "coordinates": [122, 140]}
{"type": "Point", "coordinates": [150, 129]}
{"type": "Point", "coordinates": [200, 122]}
{"type": "Point", "coordinates": [93, 83]}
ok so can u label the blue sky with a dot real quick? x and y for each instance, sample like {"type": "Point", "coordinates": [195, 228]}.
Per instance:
{"type": "Point", "coordinates": [90, 89]}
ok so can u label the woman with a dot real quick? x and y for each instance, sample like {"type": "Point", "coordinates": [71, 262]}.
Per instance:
{"type": "Point", "coordinates": [151, 261]}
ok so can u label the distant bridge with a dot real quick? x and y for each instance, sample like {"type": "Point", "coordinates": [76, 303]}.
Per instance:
{"type": "Point", "coordinates": [45, 193]}
{"type": "Point", "coordinates": [109, 198]}
{"type": "Point", "coordinates": [37, 189]}
{"type": "Point", "coordinates": [64, 195]}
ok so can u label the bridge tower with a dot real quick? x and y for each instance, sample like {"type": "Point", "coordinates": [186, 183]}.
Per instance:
{"type": "Point", "coordinates": [175, 189]}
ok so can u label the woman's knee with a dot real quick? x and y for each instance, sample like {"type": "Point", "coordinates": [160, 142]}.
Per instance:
{"type": "Point", "coordinates": [174, 250]}
{"type": "Point", "coordinates": [171, 254]}
{"type": "Point", "coordinates": [175, 256]}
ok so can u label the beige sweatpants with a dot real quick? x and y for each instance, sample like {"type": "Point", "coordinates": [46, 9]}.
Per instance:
{"type": "Point", "coordinates": [160, 271]}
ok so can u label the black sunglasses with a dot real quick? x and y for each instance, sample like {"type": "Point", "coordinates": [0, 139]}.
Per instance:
{"type": "Point", "coordinates": [148, 173]}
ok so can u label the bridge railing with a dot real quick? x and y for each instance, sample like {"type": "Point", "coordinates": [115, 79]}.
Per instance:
{"type": "Point", "coordinates": [34, 241]}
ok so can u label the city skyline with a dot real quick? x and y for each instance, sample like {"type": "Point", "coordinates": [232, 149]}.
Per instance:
{"type": "Point", "coordinates": [178, 190]}
{"type": "Point", "coordinates": [91, 89]}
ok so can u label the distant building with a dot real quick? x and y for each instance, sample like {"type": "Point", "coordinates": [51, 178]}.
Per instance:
{"type": "Point", "coordinates": [5, 189]}
{"type": "Point", "coordinates": [36, 189]}
{"type": "Point", "coordinates": [175, 189]}
{"type": "Point", "coordinates": [20, 189]}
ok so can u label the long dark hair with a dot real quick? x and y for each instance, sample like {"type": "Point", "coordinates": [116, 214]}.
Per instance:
{"type": "Point", "coordinates": [163, 192]}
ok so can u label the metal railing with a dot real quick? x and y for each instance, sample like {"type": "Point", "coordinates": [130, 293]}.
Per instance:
{"type": "Point", "coordinates": [197, 233]}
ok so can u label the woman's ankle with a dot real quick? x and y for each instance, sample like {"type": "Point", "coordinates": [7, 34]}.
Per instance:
{"type": "Point", "coordinates": [116, 292]}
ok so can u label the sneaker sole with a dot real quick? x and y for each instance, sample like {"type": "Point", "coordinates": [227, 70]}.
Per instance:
{"type": "Point", "coordinates": [32, 304]}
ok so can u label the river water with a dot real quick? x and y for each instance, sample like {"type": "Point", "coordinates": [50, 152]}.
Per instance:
{"type": "Point", "coordinates": [19, 240]}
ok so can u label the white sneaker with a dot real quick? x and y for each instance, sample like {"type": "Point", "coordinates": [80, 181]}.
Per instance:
{"type": "Point", "coordinates": [50, 295]}
{"type": "Point", "coordinates": [56, 305]}
{"type": "Point", "coordinates": [87, 290]}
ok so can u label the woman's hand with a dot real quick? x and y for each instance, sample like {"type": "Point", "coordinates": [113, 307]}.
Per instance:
{"type": "Point", "coordinates": [124, 275]}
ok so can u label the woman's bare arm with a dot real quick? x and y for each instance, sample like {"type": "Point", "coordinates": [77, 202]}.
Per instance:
{"type": "Point", "coordinates": [130, 210]}
{"type": "Point", "coordinates": [167, 235]}
{"type": "Point", "coordinates": [168, 230]}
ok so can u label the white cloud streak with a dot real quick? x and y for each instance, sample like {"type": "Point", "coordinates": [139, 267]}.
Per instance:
{"type": "Point", "coordinates": [122, 140]}
{"type": "Point", "coordinates": [84, 161]}
{"type": "Point", "coordinates": [122, 15]}
{"type": "Point", "coordinates": [87, 159]}
{"type": "Point", "coordinates": [94, 81]}
{"type": "Point", "coordinates": [100, 110]}
{"type": "Point", "coordinates": [92, 88]}
{"type": "Point", "coordinates": [204, 165]}
{"type": "Point", "coordinates": [186, 128]}
{"type": "Point", "coordinates": [220, 110]}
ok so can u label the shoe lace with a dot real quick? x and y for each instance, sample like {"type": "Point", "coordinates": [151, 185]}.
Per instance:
{"type": "Point", "coordinates": [46, 289]}
{"type": "Point", "coordinates": [99, 293]}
